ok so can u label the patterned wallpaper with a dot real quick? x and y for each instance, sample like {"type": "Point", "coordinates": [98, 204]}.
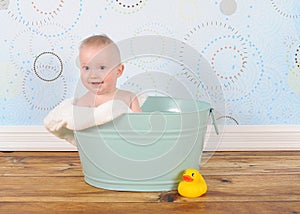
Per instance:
{"type": "Point", "coordinates": [252, 47]}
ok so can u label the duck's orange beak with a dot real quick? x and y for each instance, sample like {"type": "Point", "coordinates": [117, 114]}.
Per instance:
{"type": "Point", "coordinates": [187, 178]}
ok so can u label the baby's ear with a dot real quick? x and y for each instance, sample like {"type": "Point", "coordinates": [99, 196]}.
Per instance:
{"type": "Point", "coordinates": [120, 70]}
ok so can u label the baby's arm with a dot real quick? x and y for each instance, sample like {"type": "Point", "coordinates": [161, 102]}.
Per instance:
{"type": "Point", "coordinates": [134, 105]}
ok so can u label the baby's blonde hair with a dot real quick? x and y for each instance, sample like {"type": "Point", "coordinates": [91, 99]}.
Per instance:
{"type": "Point", "coordinates": [96, 40]}
{"type": "Point", "coordinates": [101, 40]}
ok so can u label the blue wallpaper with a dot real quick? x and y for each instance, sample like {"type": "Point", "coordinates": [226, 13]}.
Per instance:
{"type": "Point", "coordinates": [252, 47]}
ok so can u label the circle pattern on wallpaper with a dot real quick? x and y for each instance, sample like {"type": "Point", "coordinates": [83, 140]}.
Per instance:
{"type": "Point", "coordinates": [280, 113]}
{"type": "Point", "coordinates": [297, 57]}
{"type": "Point", "coordinates": [293, 60]}
{"type": "Point", "coordinates": [131, 69]}
{"type": "Point", "coordinates": [151, 45]}
{"type": "Point", "coordinates": [231, 71]}
{"type": "Point", "coordinates": [294, 81]}
{"type": "Point", "coordinates": [188, 9]}
{"type": "Point", "coordinates": [287, 9]}
{"type": "Point", "coordinates": [37, 13]}
{"type": "Point", "coordinates": [26, 40]}
{"type": "Point", "coordinates": [127, 6]}
{"type": "Point", "coordinates": [228, 52]}
{"type": "Point", "coordinates": [43, 95]}
{"type": "Point", "coordinates": [244, 111]}
{"type": "Point", "coordinates": [270, 87]}
{"type": "Point", "coordinates": [63, 45]}
{"type": "Point", "coordinates": [228, 7]}
{"type": "Point", "coordinates": [201, 88]}
{"type": "Point", "coordinates": [20, 42]}
{"type": "Point", "coordinates": [41, 7]}
{"type": "Point", "coordinates": [293, 53]}
{"type": "Point", "coordinates": [4, 4]}
{"type": "Point", "coordinates": [202, 34]}
{"type": "Point", "coordinates": [48, 66]}
{"type": "Point", "coordinates": [10, 81]}
{"type": "Point", "coordinates": [152, 62]}
{"type": "Point", "coordinates": [160, 83]}
{"type": "Point", "coordinates": [13, 111]}
{"type": "Point", "coordinates": [205, 89]}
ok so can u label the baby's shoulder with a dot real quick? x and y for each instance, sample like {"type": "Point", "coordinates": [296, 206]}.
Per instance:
{"type": "Point", "coordinates": [125, 93]}
{"type": "Point", "coordinates": [83, 101]}
{"type": "Point", "coordinates": [127, 96]}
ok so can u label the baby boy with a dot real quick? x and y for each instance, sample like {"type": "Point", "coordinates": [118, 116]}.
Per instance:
{"type": "Point", "coordinates": [100, 67]}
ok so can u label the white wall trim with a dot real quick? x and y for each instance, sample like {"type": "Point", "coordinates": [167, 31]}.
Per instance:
{"type": "Point", "coordinates": [31, 138]}
{"type": "Point", "coordinates": [234, 138]}
{"type": "Point", "coordinates": [260, 137]}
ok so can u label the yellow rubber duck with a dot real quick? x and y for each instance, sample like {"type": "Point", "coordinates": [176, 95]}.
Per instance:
{"type": "Point", "coordinates": [193, 184]}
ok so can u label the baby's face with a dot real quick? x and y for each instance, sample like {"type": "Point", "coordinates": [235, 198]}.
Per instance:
{"type": "Point", "coordinates": [99, 69]}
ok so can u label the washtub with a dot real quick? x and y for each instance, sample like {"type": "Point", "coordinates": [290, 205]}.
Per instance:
{"type": "Point", "coordinates": [145, 151]}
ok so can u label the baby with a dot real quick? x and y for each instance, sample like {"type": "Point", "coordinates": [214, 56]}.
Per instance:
{"type": "Point", "coordinates": [100, 67]}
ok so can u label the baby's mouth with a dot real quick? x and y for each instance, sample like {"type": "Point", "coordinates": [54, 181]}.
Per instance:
{"type": "Point", "coordinates": [97, 83]}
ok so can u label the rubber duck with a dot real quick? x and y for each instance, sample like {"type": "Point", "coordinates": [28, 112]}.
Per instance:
{"type": "Point", "coordinates": [193, 184]}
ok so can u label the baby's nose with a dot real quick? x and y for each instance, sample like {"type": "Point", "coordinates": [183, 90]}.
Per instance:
{"type": "Point", "coordinates": [95, 72]}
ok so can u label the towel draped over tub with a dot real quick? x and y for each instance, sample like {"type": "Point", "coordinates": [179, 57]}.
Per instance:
{"type": "Point", "coordinates": [66, 118]}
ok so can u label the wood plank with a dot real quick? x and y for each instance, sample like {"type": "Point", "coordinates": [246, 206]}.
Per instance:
{"type": "Point", "coordinates": [217, 153]}
{"type": "Point", "coordinates": [145, 208]}
{"type": "Point", "coordinates": [37, 154]}
{"type": "Point", "coordinates": [228, 188]}
{"type": "Point", "coordinates": [253, 153]}
{"type": "Point", "coordinates": [238, 182]}
{"type": "Point", "coordinates": [68, 164]}
{"type": "Point", "coordinates": [28, 166]}
{"type": "Point", "coordinates": [236, 165]}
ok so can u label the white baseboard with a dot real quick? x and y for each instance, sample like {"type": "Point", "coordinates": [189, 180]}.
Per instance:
{"type": "Point", "coordinates": [31, 138]}
{"type": "Point", "coordinates": [260, 138]}
{"type": "Point", "coordinates": [234, 138]}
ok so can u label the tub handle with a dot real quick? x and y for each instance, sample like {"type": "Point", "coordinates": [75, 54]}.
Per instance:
{"type": "Point", "coordinates": [211, 113]}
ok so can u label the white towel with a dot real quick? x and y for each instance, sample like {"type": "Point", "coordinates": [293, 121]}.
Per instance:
{"type": "Point", "coordinates": [66, 118]}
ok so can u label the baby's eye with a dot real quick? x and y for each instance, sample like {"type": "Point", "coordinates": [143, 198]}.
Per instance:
{"type": "Point", "coordinates": [85, 68]}
{"type": "Point", "coordinates": [102, 67]}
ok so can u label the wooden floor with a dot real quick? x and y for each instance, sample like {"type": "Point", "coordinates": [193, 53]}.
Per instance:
{"type": "Point", "coordinates": [238, 182]}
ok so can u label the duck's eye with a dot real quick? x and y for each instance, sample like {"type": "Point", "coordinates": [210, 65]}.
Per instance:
{"type": "Point", "coordinates": [193, 174]}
